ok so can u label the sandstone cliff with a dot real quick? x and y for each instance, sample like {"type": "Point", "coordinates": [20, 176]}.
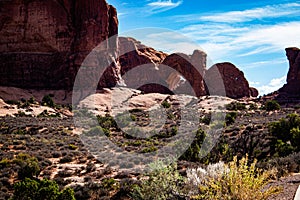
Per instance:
{"type": "Point", "coordinates": [292, 87]}
{"type": "Point", "coordinates": [43, 43]}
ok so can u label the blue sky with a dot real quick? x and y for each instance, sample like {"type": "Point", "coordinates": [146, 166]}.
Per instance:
{"type": "Point", "coordinates": [250, 34]}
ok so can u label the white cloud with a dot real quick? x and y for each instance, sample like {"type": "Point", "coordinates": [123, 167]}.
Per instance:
{"type": "Point", "coordinates": [161, 6]}
{"type": "Point", "coordinates": [263, 63]}
{"type": "Point", "coordinates": [271, 11]}
{"type": "Point", "coordinates": [224, 41]}
{"type": "Point", "coordinates": [165, 40]}
{"type": "Point", "coordinates": [253, 83]}
{"type": "Point", "coordinates": [272, 86]}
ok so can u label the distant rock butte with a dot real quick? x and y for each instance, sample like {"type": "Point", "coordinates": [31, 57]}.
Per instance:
{"type": "Point", "coordinates": [235, 83]}
{"type": "Point", "coordinates": [292, 87]}
{"type": "Point", "coordinates": [44, 43]}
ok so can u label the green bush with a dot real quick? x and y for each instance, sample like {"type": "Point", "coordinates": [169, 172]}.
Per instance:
{"type": "Point", "coordinates": [235, 106]}
{"type": "Point", "coordinates": [283, 149]}
{"type": "Point", "coordinates": [73, 147]}
{"type": "Point", "coordinates": [253, 106]}
{"type": "Point", "coordinates": [163, 182]}
{"type": "Point", "coordinates": [295, 133]}
{"type": "Point", "coordinates": [97, 130]}
{"type": "Point", "coordinates": [13, 102]}
{"type": "Point", "coordinates": [166, 104]}
{"type": "Point", "coordinates": [110, 184]}
{"type": "Point", "coordinates": [149, 149]}
{"type": "Point", "coordinates": [4, 163]}
{"type": "Point", "coordinates": [48, 101]}
{"type": "Point", "coordinates": [206, 119]}
{"type": "Point", "coordinates": [31, 100]}
{"type": "Point", "coordinates": [29, 167]}
{"type": "Point", "coordinates": [271, 105]}
{"type": "Point", "coordinates": [107, 122]}
{"type": "Point", "coordinates": [230, 118]}
{"type": "Point", "coordinates": [286, 134]}
{"type": "Point", "coordinates": [29, 189]}
{"type": "Point", "coordinates": [192, 153]}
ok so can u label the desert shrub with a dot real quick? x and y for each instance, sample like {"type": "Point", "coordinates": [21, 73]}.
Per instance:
{"type": "Point", "coordinates": [284, 165]}
{"type": "Point", "coordinates": [271, 105]}
{"type": "Point", "coordinates": [97, 130]}
{"type": "Point", "coordinates": [237, 180]}
{"type": "Point", "coordinates": [31, 100]}
{"type": "Point", "coordinates": [295, 134]}
{"type": "Point", "coordinates": [90, 190]}
{"type": "Point", "coordinates": [41, 190]}
{"type": "Point", "coordinates": [107, 122]}
{"type": "Point", "coordinates": [166, 104]}
{"type": "Point", "coordinates": [4, 163]}
{"type": "Point", "coordinates": [66, 159]}
{"type": "Point", "coordinates": [29, 167]}
{"type": "Point", "coordinates": [124, 119]}
{"type": "Point", "coordinates": [283, 149]}
{"type": "Point", "coordinates": [13, 102]}
{"type": "Point", "coordinates": [73, 147]}
{"type": "Point", "coordinates": [230, 118]}
{"type": "Point", "coordinates": [19, 131]}
{"type": "Point", "coordinates": [20, 114]}
{"type": "Point", "coordinates": [162, 182]}
{"type": "Point", "coordinates": [149, 149]}
{"type": "Point", "coordinates": [192, 153]}
{"type": "Point", "coordinates": [48, 101]}
{"type": "Point", "coordinates": [253, 106]}
{"type": "Point", "coordinates": [206, 119]}
{"type": "Point", "coordinates": [110, 184]}
{"type": "Point", "coordinates": [25, 104]}
{"type": "Point", "coordinates": [286, 133]}
{"type": "Point", "coordinates": [235, 106]}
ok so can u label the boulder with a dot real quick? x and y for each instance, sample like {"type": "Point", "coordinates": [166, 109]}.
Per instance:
{"type": "Point", "coordinates": [253, 92]}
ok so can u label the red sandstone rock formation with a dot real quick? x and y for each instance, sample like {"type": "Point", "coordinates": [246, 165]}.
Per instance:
{"type": "Point", "coordinates": [292, 87]}
{"type": "Point", "coordinates": [253, 92]}
{"type": "Point", "coordinates": [235, 83]}
{"type": "Point", "coordinates": [154, 71]}
{"type": "Point", "coordinates": [179, 73]}
{"type": "Point", "coordinates": [43, 43]}
{"type": "Point", "coordinates": [190, 72]}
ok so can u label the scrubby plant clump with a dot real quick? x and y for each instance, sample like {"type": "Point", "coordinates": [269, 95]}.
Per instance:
{"type": "Point", "coordinates": [40, 190]}
{"type": "Point", "coordinates": [230, 118]}
{"type": "Point", "coordinates": [271, 105]}
{"type": "Point", "coordinates": [192, 153]}
{"type": "Point", "coordinates": [29, 167]}
{"type": "Point", "coordinates": [48, 101]}
{"type": "Point", "coordinates": [235, 106]}
{"type": "Point", "coordinates": [286, 135]}
{"type": "Point", "coordinates": [236, 180]}
{"type": "Point", "coordinates": [163, 182]}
